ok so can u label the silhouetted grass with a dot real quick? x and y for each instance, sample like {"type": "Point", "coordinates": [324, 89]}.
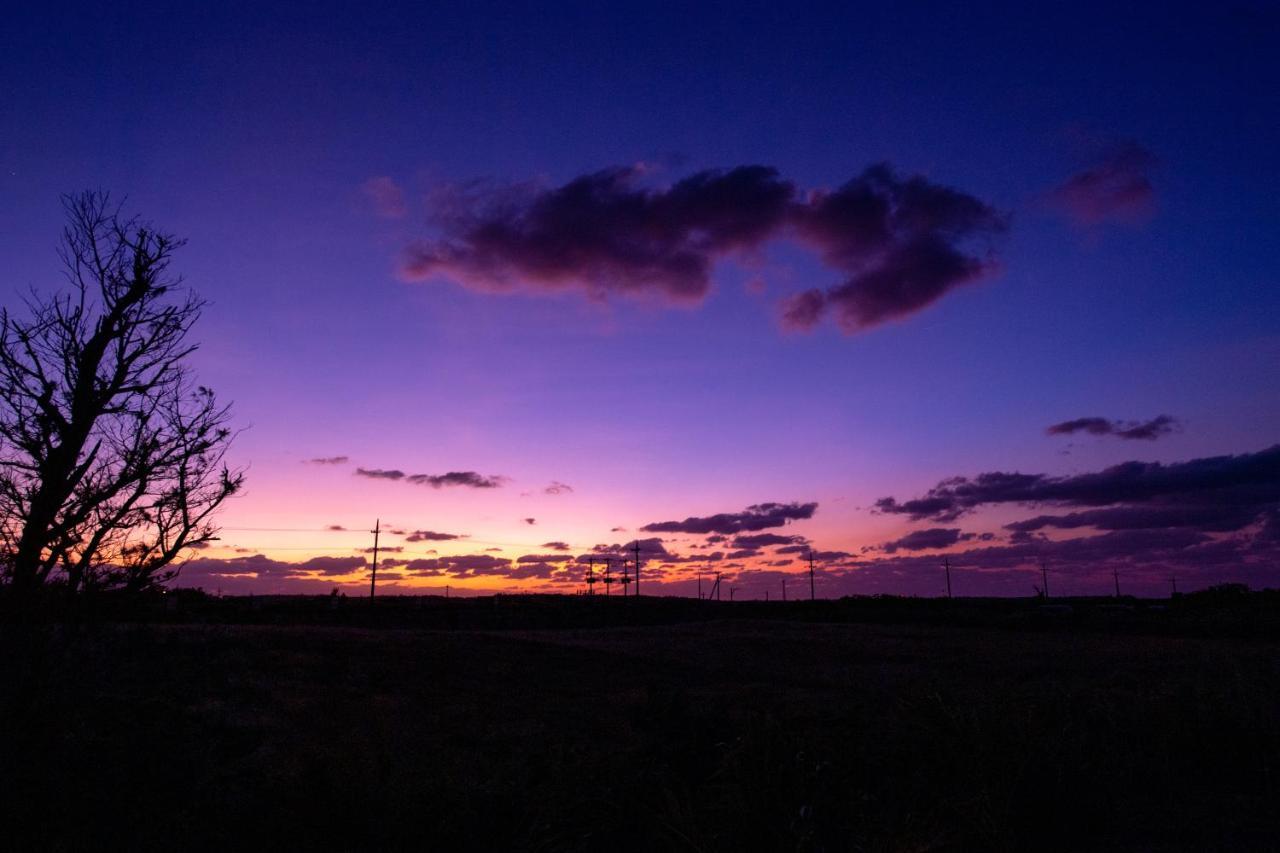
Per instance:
{"type": "Point", "coordinates": [739, 734]}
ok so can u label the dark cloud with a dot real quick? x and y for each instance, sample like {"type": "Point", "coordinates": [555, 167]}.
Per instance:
{"type": "Point", "coordinates": [464, 565]}
{"type": "Point", "coordinates": [617, 530]}
{"type": "Point", "coordinates": [1214, 517]}
{"type": "Point", "coordinates": [652, 548]}
{"type": "Point", "coordinates": [1140, 430]}
{"type": "Point", "coordinates": [529, 521]}
{"type": "Point", "coordinates": [743, 554]}
{"type": "Point", "coordinates": [794, 549]}
{"type": "Point", "coordinates": [546, 567]}
{"type": "Point", "coordinates": [380, 473]}
{"type": "Point", "coordinates": [900, 242]}
{"type": "Point", "coordinates": [544, 558]}
{"type": "Point", "coordinates": [1144, 559]}
{"type": "Point", "coordinates": [1211, 494]}
{"type": "Point", "coordinates": [762, 540]}
{"type": "Point", "coordinates": [920, 540]}
{"type": "Point", "coordinates": [245, 574]}
{"type": "Point", "coordinates": [558, 488]}
{"type": "Point", "coordinates": [327, 460]}
{"type": "Point", "coordinates": [556, 546]}
{"type": "Point", "coordinates": [1117, 188]}
{"type": "Point", "coordinates": [602, 233]}
{"type": "Point", "coordinates": [540, 570]}
{"type": "Point", "coordinates": [433, 536]}
{"type": "Point", "coordinates": [333, 565]}
{"type": "Point", "coordinates": [470, 479]}
{"type": "Point", "coordinates": [755, 517]}
{"type": "Point", "coordinates": [335, 527]}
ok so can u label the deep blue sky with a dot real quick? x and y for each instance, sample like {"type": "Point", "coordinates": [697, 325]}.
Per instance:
{"type": "Point", "coordinates": [253, 131]}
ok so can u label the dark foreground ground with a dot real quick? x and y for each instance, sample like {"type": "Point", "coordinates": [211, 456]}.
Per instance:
{"type": "Point", "coordinates": [738, 732]}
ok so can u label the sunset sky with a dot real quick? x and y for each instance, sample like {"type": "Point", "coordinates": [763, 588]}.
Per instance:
{"type": "Point", "coordinates": [528, 279]}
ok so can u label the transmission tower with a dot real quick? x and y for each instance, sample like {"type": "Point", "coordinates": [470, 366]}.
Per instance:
{"type": "Point", "coordinates": [373, 576]}
{"type": "Point", "coordinates": [812, 595]}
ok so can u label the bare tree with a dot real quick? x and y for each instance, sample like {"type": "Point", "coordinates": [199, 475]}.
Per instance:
{"type": "Point", "coordinates": [111, 456]}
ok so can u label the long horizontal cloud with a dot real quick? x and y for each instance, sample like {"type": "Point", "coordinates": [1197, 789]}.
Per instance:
{"type": "Point", "coordinates": [470, 479]}
{"type": "Point", "coordinates": [755, 517]}
{"type": "Point", "coordinates": [432, 536]}
{"type": "Point", "coordinates": [765, 540]}
{"type": "Point", "coordinates": [898, 243]}
{"type": "Point", "coordinates": [920, 540]}
{"type": "Point", "coordinates": [1213, 494]}
{"type": "Point", "coordinates": [1140, 430]}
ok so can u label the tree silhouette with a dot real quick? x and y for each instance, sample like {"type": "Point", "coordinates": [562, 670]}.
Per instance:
{"type": "Point", "coordinates": [111, 456]}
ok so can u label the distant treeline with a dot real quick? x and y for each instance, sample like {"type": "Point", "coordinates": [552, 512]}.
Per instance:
{"type": "Point", "coordinates": [1226, 610]}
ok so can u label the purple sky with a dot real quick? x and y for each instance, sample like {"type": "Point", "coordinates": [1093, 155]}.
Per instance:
{"type": "Point", "coordinates": [571, 268]}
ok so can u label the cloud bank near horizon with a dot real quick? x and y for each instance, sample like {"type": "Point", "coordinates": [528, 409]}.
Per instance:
{"type": "Point", "coordinates": [1206, 520]}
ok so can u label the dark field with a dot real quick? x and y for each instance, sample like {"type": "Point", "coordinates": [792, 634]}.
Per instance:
{"type": "Point", "coordinates": [736, 733]}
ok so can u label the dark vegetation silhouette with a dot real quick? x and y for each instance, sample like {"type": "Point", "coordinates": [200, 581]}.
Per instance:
{"type": "Point", "coordinates": [111, 454]}
{"type": "Point", "coordinates": [673, 724]}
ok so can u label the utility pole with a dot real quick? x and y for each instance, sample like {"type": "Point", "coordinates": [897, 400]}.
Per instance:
{"type": "Point", "coordinates": [946, 564]}
{"type": "Point", "coordinates": [373, 578]}
{"type": "Point", "coordinates": [608, 579]}
{"type": "Point", "coordinates": [637, 553]}
{"type": "Point", "coordinates": [1044, 578]}
{"type": "Point", "coordinates": [591, 576]}
{"type": "Point", "coordinates": [784, 588]}
{"type": "Point", "coordinates": [1115, 573]}
{"type": "Point", "coordinates": [812, 595]}
{"type": "Point", "coordinates": [1173, 582]}
{"type": "Point", "coordinates": [699, 584]}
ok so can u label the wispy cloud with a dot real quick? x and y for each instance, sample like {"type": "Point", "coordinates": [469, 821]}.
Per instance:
{"type": "Point", "coordinates": [1141, 430]}
{"type": "Point", "coordinates": [386, 197]}
{"type": "Point", "coordinates": [1115, 188]}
